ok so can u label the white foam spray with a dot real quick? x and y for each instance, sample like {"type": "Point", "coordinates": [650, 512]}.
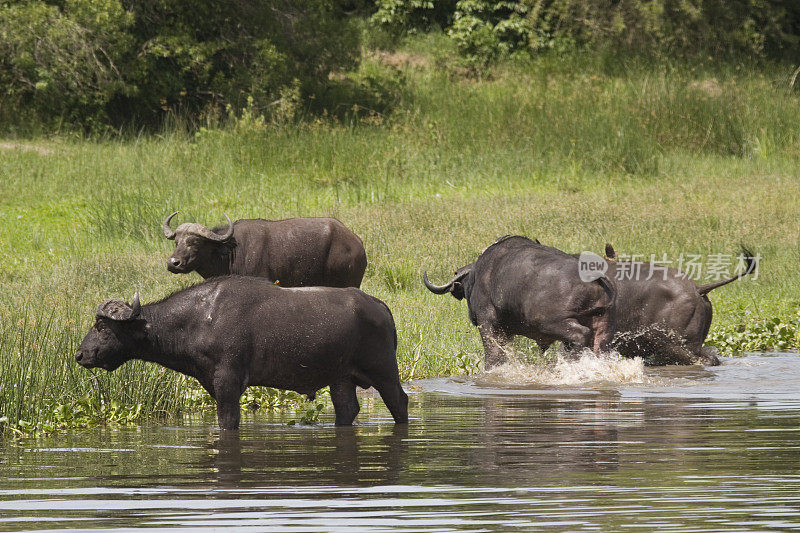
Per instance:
{"type": "Point", "coordinates": [574, 369]}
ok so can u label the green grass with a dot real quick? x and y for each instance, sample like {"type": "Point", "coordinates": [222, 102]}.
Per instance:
{"type": "Point", "coordinates": [653, 158]}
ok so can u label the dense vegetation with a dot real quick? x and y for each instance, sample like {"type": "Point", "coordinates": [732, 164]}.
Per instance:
{"type": "Point", "coordinates": [484, 30]}
{"type": "Point", "coordinates": [436, 155]}
{"type": "Point", "coordinates": [128, 64]}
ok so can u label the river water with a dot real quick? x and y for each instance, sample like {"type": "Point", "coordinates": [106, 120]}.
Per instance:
{"type": "Point", "coordinates": [588, 445]}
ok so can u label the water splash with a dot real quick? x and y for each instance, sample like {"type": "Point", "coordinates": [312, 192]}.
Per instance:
{"type": "Point", "coordinates": [563, 369]}
{"type": "Point", "coordinates": [658, 345]}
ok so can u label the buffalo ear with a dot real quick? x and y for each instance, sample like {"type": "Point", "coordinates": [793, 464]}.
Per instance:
{"type": "Point", "coordinates": [457, 290]}
{"type": "Point", "coordinates": [116, 310]}
{"type": "Point", "coordinates": [610, 252]}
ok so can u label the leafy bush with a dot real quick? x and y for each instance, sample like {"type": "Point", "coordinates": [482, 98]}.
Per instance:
{"type": "Point", "coordinates": [487, 29]}
{"type": "Point", "coordinates": [62, 63]}
{"type": "Point", "coordinates": [402, 16]}
{"type": "Point", "coordinates": [751, 27]}
{"type": "Point", "coordinates": [108, 61]}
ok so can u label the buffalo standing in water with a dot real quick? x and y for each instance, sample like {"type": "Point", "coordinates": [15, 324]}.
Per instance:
{"type": "Point", "coordinates": [520, 287]}
{"type": "Point", "coordinates": [233, 332]}
{"type": "Point", "coordinates": [664, 319]}
{"type": "Point", "coordinates": [296, 252]}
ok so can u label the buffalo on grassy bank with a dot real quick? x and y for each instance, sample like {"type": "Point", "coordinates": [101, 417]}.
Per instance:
{"type": "Point", "coordinates": [295, 252]}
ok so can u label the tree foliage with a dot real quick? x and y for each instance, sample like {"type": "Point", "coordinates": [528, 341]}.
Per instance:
{"type": "Point", "coordinates": [486, 29]}
{"type": "Point", "coordinates": [62, 61]}
{"type": "Point", "coordinates": [409, 15]}
{"type": "Point", "coordinates": [110, 61]}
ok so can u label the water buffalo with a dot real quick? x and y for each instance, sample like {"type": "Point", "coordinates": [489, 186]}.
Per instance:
{"type": "Point", "coordinates": [296, 252]}
{"type": "Point", "coordinates": [661, 314]}
{"type": "Point", "coordinates": [231, 332]}
{"type": "Point", "coordinates": [520, 287]}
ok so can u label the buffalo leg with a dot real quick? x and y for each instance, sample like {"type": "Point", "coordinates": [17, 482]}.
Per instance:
{"type": "Point", "coordinates": [396, 400]}
{"type": "Point", "coordinates": [494, 341]}
{"type": "Point", "coordinates": [709, 355]}
{"type": "Point", "coordinates": [228, 413]}
{"type": "Point", "coordinates": [573, 335]}
{"type": "Point", "coordinates": [671, 354]}
{"type": "Point", "coordinates": [227, 391]}
{"type": "Point", "coordinates": [603, 333]}
{"type": "Point", "coordinates": [379, 370]}
{"type": "Point", "coordinates": [345, 402]}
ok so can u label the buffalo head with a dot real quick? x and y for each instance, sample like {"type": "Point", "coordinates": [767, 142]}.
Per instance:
{"type": "Point", "coordinates": [455, 286]}
{"type": "Point", "coordinates": [107, 344]}
{"type": "Point", "coordinates": [195, 244]}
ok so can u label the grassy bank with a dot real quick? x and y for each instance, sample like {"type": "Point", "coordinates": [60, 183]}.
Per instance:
{"type": "Point", "coordinates": [577, 152]}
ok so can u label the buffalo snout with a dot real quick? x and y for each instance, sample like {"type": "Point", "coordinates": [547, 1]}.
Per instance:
{"type": "Point", "coordinates": [91, 358]}
{"type": "Point", "coordinates": [174, 265]}
{"type": "Point", "coordinates": [85, 357]}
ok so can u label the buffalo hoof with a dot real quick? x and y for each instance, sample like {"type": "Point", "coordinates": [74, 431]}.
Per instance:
{"type": "Point", "coordinates": [709, 356]}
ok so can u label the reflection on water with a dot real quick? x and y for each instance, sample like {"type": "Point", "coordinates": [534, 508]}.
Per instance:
{"type": "Point", "coordinates": [683, 448]}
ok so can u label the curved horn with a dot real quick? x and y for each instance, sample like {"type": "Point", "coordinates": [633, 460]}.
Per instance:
{"type": "Point", "coordinates": [136, 306]}
{"type": "Point", "coordinates": [201, 230]}
{"type": "Point", "coordinates": [168, 233]}
{"type": "Point", "coordinates": [436, 289]}
{"type": "Point", "coordinates": [229, 233]}
{"type": "Point", "coordinates": [206, 233]}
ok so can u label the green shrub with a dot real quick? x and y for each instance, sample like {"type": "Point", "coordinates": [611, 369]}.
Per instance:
{"type": "Point", "coordinates": [484, 31]}
{"type": "Point", "coordinates": [62, 63]}
{"type": "Point", "coordinates": [109, 62]}
{"type": "Point", "coordinates": [750, 27]}
{"type": "Point", "coordinates": [402, 16]}
{"type": "Point", "coordinates": [203, 56]}
{"type": "Point", "coordinates": [487, 29]}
